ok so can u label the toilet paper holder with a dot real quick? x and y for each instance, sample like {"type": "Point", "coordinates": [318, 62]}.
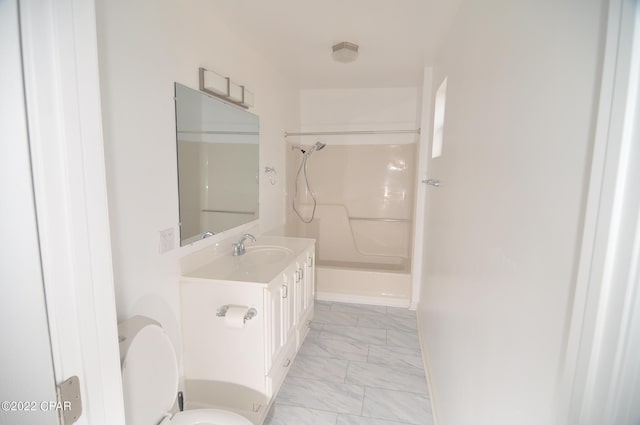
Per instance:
{"type": "Point", "coordinates": [251, 313]}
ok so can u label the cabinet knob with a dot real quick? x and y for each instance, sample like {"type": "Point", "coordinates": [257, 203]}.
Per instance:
{"type": "Point", "coordinates": [285, 291]}
{"type": "Point", "coordinates": [287, 362]}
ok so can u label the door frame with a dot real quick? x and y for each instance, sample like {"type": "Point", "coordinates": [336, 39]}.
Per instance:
{"type": "Point", "coordinates": [419, 236]}
{"type": "Point", "coordinates": [598, 336]}
{"type": "Point", "coordinates": [62, 91]}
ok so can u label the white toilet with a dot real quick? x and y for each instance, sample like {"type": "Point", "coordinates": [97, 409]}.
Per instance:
{"type": "Point", "coordinates": [150, 379]}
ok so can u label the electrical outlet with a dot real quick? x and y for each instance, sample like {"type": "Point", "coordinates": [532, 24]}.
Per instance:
{"type": "Point", "coordinates": [166, 240]}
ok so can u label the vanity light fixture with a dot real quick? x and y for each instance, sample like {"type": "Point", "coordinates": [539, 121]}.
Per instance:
{"type": "Point", "coordinates": [345, 52]}
{"type": "Point", "coordinates": [215, 84]}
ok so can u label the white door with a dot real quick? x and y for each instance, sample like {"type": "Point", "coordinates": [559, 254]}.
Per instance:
{"type": "Point", "coordinates": [54, 217]}
{"type": "Point", "coordinates": [602, 374]}
{"type": "Point", "coordinates": [28, 383]}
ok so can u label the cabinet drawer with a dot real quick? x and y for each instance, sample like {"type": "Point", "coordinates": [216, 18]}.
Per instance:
{"type": "Point", "coordinates": [280, 368]}
{"type": "Point", "coordinates": [304, 327]}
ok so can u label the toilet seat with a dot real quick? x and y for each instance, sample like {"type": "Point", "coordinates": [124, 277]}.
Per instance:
{"type": "Point", "coordinates": [207, 417]}
{"type": "Point", "coordinates": [149, 376]}
{"type": "Point", "coordinates": [150, 379]}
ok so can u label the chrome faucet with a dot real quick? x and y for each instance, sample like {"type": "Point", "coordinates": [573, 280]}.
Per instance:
{"type": "Point", "coordinates": [238, 248]}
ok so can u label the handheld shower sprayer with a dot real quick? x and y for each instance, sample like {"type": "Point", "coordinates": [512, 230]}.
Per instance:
{"type": "Point", "coordinates": [307, 152]}
{"type": "Point", "coordinates": [303, 167]}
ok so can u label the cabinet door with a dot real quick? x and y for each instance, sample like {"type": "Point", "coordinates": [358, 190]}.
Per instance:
{"type": "Point", "coordinates": [287, 293]}
{"type": "Point", "coordinates": [273, 306]}
{"type": "Point", "coordinates": [299, 291]}
{"type": "Point", "coordinates": [309, 280]}
{"type": "Point", "coordinates": [289, 318]}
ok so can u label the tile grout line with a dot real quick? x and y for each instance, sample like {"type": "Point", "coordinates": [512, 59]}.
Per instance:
{"type": "Point", "coordinates": [309, 408]}
{"type": "Point", "coordinates": [335, 308]}
{"type": "Point", "coordinates": [346, 372]}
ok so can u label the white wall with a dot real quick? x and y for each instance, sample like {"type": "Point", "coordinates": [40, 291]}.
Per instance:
{"type": "Point", "coordinates": [358, 109]}
{"type": "Point", "coordinates": [503, 230]}
{"type": "Point", "coordinates": [145, 47]}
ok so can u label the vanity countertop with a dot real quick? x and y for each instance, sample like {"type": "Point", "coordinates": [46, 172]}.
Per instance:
{"type": "Point", "coordinates": [261, 263]}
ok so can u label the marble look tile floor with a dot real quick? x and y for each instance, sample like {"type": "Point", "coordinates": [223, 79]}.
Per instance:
{"type": "Point", "coordinates": [360, 365]}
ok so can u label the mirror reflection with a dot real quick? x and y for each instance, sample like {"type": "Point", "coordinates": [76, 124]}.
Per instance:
{"type": "Point", "coordinates": [217, 164]}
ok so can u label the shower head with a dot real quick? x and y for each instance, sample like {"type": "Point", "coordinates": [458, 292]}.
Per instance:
{"type": "Point", "coordinates": [317, 147]}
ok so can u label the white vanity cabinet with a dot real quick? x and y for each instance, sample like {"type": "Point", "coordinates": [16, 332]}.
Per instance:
{"type": "Point", "coordinates": [258, 355]}
{"type": "Point", "coordinates": [290, 301]}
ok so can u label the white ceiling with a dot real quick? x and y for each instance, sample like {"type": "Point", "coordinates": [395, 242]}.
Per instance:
{"type": "Point", "coordinates": [397, 38]}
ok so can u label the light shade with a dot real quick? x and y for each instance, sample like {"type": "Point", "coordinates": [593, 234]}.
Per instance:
{"type": "Point", "coordinates": [223, 87]}
{"type": "Point", "coordinates": [235, 91]}
{"type": "Point", "coordinates": [345, 52]}
{"type": "Point", "coordinates": [248, 99]}
{"type": "Point", "coordinates": [213, 82]}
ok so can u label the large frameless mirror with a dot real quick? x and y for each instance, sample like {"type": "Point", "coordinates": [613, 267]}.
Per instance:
{"type": "Point", "coordinates": [217, 164]}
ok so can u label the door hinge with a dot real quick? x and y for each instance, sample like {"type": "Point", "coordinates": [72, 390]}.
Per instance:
{"type": "Point", "coordinates": [69, 401]}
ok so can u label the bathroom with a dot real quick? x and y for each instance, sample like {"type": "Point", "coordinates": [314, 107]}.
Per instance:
{"type": "Point", "coordinates": [489, 252]}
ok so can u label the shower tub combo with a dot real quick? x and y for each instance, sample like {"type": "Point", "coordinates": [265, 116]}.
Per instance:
{"type": "Point", "coordinates": [357, 201]}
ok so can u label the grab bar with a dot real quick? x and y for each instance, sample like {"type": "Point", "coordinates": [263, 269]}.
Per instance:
{"type": "Point", "coordinates": [386, 220]}
{"type": "Point", "coordinates": [347, 132]}
{"type": "Point", "coordinates": [230, 212]}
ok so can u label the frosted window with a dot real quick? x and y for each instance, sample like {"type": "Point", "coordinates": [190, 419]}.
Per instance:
{"type": "Point", "coordinates": [438, 120]}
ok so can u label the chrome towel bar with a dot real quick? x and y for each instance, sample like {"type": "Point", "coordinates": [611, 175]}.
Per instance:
{"type": "Point", "coordinates": [230, 212]}
{"type": "Point", "coordinates": [386, 220]}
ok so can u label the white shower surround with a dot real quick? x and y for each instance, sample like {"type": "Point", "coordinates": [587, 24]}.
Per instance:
{"type": "Point", "coordinates": [365, 187]}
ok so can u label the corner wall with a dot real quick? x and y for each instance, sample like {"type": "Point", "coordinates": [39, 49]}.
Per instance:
{"type": "Point", "coordinates": [144, 47]}
{"type": "Point", "coordinates": [503, 230]}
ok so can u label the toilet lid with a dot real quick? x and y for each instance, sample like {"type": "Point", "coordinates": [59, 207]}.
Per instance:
{"type": "Point", "coordinates": [149, 376]}
{"type": "Point", "coordinates": [209, 417]}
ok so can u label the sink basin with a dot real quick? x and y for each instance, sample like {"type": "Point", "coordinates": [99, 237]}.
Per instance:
{"type": "Point", "coordinates": [260, 263]}
{"type": "Point", "coordinates": [265, 254]}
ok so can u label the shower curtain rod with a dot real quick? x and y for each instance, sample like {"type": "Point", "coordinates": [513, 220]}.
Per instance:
{"type": "Point", "coordinates": [338, 133]}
